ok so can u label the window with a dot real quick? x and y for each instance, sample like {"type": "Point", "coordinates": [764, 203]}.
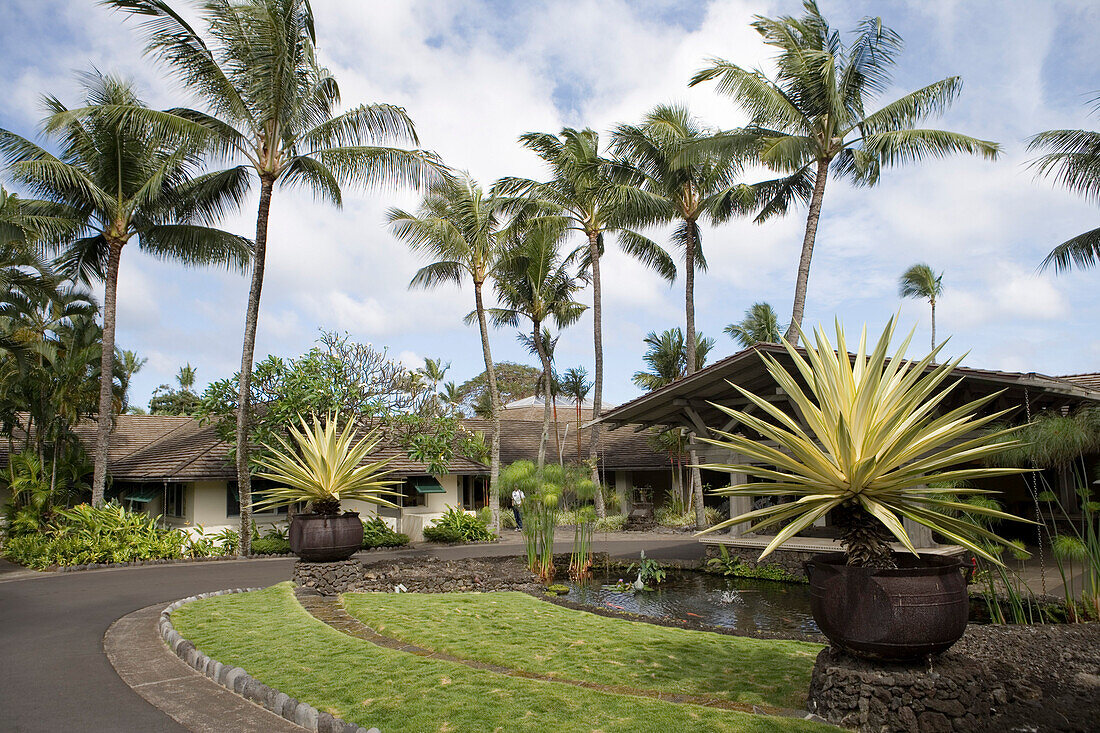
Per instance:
{"type": "Point", "coordinates": [173, 500]}
{"type": "Point", "coordinates": [410, 496]}
{"type": "Point", "coordinates": [233, 499]}
{"type": "Point", "coordinates": [474, 492]}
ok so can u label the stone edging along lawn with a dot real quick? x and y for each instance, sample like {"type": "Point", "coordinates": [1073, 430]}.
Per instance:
{"type": "Point", "coordinates": [236, 680]}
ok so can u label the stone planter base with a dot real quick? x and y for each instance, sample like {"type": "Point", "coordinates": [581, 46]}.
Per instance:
{"type": "Point", "coordinates": [790, 560]}
{"type": "Point", "coordinates": [327, 578]}
{"type": "Point", "coordinates": [996, 678]}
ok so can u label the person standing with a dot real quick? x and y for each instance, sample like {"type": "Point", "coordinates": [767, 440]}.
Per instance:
{"type": "Point", "coordinates": [517, 501]}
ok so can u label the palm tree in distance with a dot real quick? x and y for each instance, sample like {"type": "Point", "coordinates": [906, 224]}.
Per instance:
{"type": "Point", "coordinates": [575, 385]}
{"type": "Point", "coordinates": [129, 364]}
{"type": "Point", "coordinates": [760, 325]}
{"type": "Point", "coordinates": [269, 104]}
{"type": "Point", "coordinates": [458, 227]}
{"type": "Point", "coordinates": [666, 357]}
{"type": "Point", "coordinates": [548, 386]}
{"type": "Point", "coordinates": [535, 284]}
{"type": "Point", "coordinates": [921, 281]}
{"type": "Point", "coordinates": [582, 191]}
{"type": "Point", "coordinates": [1073, 160]}
{"type": "Point", "coordinates": [122, 181]}
{"type": "Point", "coordinates": [811, 120]}
{"type": "Point", "coordinates": [186, 377]}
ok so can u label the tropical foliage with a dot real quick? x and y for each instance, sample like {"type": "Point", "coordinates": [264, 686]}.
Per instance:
{"type": "Point", "coordinates": [1072, 159]}
{"type": "Point", "coordinates": [872, 444]}
{"type": "Point", "coordinates": [121, 181]}
{"type": "Point", "coordinates": [667, 358]}
{"type": "Point", "coordinates": [810, 120]}
{"type": "Point", "coordinates": [921, 281]}
{"type": "Point", "coordinates": [270, 109]}
{"type": "Point", "coordinates": [760, 325]}
{"type": "Point", "coordinates": [323, 466]}
{"type": "Point", "coordinates": [456, 526]}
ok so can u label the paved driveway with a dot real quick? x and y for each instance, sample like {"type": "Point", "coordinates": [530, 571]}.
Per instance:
{"type": "Point", "coordinates": [54, 675]}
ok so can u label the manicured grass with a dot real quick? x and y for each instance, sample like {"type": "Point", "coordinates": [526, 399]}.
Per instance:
{"type": "Point", "coordinates": [274, 639]}
{"type": "Point", "coordinates": [521, 632]}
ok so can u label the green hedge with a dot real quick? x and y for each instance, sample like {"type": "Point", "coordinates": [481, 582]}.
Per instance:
{"type": "Point", "coordinates": [458, 526]}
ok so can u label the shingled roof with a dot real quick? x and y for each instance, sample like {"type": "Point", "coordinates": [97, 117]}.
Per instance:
{"type": "Point", "coordinates": [622, 450]}
{"type": "Point", "coordinates": [1089, 381]}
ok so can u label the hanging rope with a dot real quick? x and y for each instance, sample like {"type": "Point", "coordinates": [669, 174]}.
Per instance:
{"type": "Point", "coordinates": [1035, 497]}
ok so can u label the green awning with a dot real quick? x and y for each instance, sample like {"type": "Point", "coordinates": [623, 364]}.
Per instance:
{"type": "Point", "coordinates": [427, 485]}
{"type": "Point", "coordinates": [142, 497]}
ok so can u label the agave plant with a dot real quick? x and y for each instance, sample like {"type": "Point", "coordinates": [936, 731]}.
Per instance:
{"type": "Point", "coordinates": [872, 446]}
{"type": "Point", "coordinates": [324, 467]}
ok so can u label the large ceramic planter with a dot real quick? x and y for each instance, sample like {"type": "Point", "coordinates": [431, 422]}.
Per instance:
{"type": "Point", "coordinates": [918, 609]}
{"type": "Point", "coordinates": [326, 537]}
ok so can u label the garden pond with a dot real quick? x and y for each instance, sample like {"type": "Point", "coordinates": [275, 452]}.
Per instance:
{"type": "Point", "coordinates": [745, 605]}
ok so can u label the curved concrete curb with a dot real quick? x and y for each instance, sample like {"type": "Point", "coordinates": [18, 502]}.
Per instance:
{"type": "Point", "coordinates": [240, 682]}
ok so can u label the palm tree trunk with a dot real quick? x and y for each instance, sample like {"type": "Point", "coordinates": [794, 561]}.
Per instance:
{"type": "Point", "coordinates": [106, 373]}
{"type": "Point", "coordinates": [545, 359]}
{"type": "Point", "coordinates": [689, 299]}
{"type": "Point", "coordinates": [494, 401]}
{"type": "Point", "coordinates": [689, 353]}
{"type": "Point", "coordinates": [557, 429]}
{"type": "Point", "coordinates": [597, 379]}
{"type": "Point", "coordinates": [244, 408]}
{"type": "Point", "coordinates": [807, 251]}
{"type": "Point", "coordinates": [578, 430]}
{"type": "Point", "coordinates": [933, 300]}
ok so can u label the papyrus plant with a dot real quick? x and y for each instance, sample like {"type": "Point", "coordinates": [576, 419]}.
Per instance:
{"type": "Point", "coordinates": [324, 467]}
{"type": "Point", "coordinates": [874, 434]}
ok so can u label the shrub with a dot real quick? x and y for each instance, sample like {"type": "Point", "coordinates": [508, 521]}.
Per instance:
{"type": "Point", "coordinates": [376, 533]}
{"type": "Point", "coordinates": [457, 526]}
{"type": "Point", "coordinates": [732, 567]}
{"type": "Point", "coordinates": [270, 546]}
{"type": "Point", "coordinates": [667, 516]}
{"type": "Point", "coordinates": [611, 523]}
{"type": "Point", "coordinates": [86, 534]}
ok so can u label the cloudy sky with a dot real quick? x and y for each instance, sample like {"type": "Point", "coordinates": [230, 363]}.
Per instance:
{"type": "Point", "coordinates": [475, 75]}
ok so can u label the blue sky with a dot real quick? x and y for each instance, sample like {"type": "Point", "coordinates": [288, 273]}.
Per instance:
{"type": "Point", "coordinates": [475, 75]}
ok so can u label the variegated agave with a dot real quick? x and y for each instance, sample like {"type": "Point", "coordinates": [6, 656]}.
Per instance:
{"type": "Point", "coordinates": [324, 467]}
{"type": "Point", "coordinates": [873, 440]}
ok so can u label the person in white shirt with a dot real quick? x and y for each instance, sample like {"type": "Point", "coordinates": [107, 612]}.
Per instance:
{"type": "Point", "coordinates": [517, 501]}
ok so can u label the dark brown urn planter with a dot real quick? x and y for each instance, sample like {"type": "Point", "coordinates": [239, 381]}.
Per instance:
{"type": "Point", "coordinates": [326, 537]}
{"type": "Point", "coordinates": [907, 613]}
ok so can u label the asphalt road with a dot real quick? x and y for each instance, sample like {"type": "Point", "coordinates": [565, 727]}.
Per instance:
{"type": "Point", "coordinates": [54, 675]}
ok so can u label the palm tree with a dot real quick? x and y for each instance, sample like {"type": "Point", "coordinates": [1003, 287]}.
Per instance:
{"type": "Point", "coordinates": [271, 105]}
{"type": "Point", "coordinates": [1073, 159]}
{"type": "Point", "coordinates": [921, 281]}
{"type": "Point", "coordinates": [459, 228]}
{"type": "Point", "coordinates": [452, 396]}
{"type": "Point", "coordinates": [675, 177]}
{"type": "Point", "coordinates": [548, 386]}
{"type": "Point", "coordinates": [810, 119]}
{"type": "Point", "coordinates": [760, 324]}
{"type": "Point", "coordinates": [582, 192]}
{"type": "Point", "coordinates": [666, 357]}
{"type": "Point", "coordinates": [123, 181]}
{"type": "Point", "coordinates": [186, 377]}
{"type": "Point", "coordinates": [575, 385]}
{"type": "Point", "coordinates": [535, 283]}
{"type": "Point", "coordinates": [129, 364]}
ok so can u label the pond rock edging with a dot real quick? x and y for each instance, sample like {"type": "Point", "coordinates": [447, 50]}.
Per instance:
{"type": "Point", "coordinates": [239, 682]}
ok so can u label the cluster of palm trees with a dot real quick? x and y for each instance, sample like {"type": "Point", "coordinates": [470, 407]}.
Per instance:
{"type": "Point", "coordinates": [807, 122]}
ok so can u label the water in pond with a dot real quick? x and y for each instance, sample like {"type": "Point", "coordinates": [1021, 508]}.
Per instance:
{"type": "Point", "coordinates": [737, 603]}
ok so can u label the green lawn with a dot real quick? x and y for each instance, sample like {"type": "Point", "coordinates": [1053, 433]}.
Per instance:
{"type": "Point", "coordinates": [274, 639]}
{"type": "Point", "coordinates": [521, 632]}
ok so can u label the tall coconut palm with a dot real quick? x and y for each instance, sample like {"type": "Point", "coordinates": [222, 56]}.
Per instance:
{"type": "Point", "coordinates": [676, 178]}
{"type": "Point", "coordinates": [811, 118]}
{"type": "Point", "coordinates": [760, 325]}
{"type": "Point", "coordinates": [921, 281]}
{"type": "Point", "coordinates": [575, 385]}
{"type": "Point", "coordinates": [583, 192]}
{"type": "Point", "coordinates": [459, 228]}
{"type": "Point", "coordinates": [186, 377]}
{"type": "Point", "coordinates": [129, 364]}
{"type": "Point", "coordinates": [1073, 160]}
{"type": "Point", "coordinates": [666, 357]}
{"type": "Point", "coordinates": [123, 181]}
{"type": "Point", "coordinates": [535, 283]}
{"type": "Point", "coordinates": [269, 104]}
